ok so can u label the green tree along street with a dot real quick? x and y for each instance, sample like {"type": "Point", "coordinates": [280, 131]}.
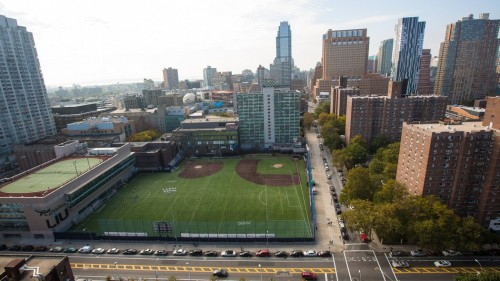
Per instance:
{"type": "Point", "coordinates": [308, 120]}
{"type": "Point", "coordinates": [381, 204]}
{"type": "Point", "coordinates": [148, 135]}
{"type": "Point", "coordinates": [322, 107]}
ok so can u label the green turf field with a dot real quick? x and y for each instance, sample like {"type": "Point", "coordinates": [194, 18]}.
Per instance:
{"type": "Point", "coordinates": [220, 204]}
{"type": "Point", "coordinates": [51, 176]}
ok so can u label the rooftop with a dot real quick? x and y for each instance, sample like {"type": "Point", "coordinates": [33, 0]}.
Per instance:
{"type": "Point", "coordinates": [40, 181]}
{"type": "Point", "coordinates": [441, 127]}
{"type": "Point", "coordinates": [34, 264]}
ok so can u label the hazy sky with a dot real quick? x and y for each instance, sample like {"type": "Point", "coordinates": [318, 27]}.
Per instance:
{"type": "Point", "coordinates": [108, 41]}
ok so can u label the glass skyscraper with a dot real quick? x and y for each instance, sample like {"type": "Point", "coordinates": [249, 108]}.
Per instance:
{"type": "Point", "coordinates": [281, 69]}
{"type": "Point", "coordinates": [384, 57]}
{"type": "Point", "coordinates": [407, 50]}
{"type": "Point", "coordinates": [467, 60]}
{"type": "Point", "coordinates": [26, 115]}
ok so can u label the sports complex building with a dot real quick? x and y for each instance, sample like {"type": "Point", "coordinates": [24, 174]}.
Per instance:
{"type": "Point", "coordinates": [54, 196]}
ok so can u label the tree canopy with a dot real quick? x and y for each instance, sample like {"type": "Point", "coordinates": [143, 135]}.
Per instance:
{"type": "Point", "coordinates": [148, 135]}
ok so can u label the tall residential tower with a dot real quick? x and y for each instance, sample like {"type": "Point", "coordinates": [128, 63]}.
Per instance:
{"type": "Point", "coordinates": [170, 78]}
{"type": "Point", "coordinates": [281, 69]}
{"type": "Point", "coordinates": [467, 60]}
{"type": "Point", "coordinates": [384, 57]}
{"type": "Point", "coordinates": [407, 50]}
{"type": "Point", "coordinates": [24, 105]}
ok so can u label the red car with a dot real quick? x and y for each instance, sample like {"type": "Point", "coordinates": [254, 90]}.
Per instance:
{"type": "Point", "coordinates": [263, 254]}
{"type": "Point", "coordinates": [364, 238]}
{"type": "Point", "coordinates": [308, 275]}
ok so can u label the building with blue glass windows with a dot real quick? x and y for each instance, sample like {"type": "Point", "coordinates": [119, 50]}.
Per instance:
{"type": "Point", "coordinates": [281, 69]}
{"type": "Point", "coordinates": [406, 53]}
{"type": "Point", "coordinates": [384, 57]}
{"type": "Point", "coordinates": [467, 60]}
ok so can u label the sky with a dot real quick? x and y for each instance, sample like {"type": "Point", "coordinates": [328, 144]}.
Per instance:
{"type": "Point", "coordinates": [90, 42]}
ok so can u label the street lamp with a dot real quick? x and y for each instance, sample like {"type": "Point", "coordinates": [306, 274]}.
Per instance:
{"type": "Point", "coordinates": [267, 239]}
{"type": "Point", "coordinates": [90, 234]}
{"type": "Point", "coordinates": [260, 266]}
{"type": "Point", "coordinates": [480, 266]}
{"type": "Point", "coordinates": [76, 171]}
{"type": "Point", "coordinates": [189, 271]}
{"type": "Point", "coordinates": [359, 270]}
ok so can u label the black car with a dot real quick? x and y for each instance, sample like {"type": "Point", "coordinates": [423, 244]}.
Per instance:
{"type": "Point", "coordinates": [281, 254]}
{"type": "Point", "coordinates": [27, 248]}
{"type": "Point", "coordinates": [161, 253]}
{"type": "Point", "coordinates": [297, 254]}
{"type": "Point", "coordinates": [332, 188]}
{"type": "Point", "coordinates": [338, 211]}
{"type": "Point", "coordinates": [399, 254]}
{"type": "Point", "coordinates": [344, 234]}
{"type": "Point", "coordinates": [146, 252]}
{"type": "Point", "coordinates": [211, 254]}
{"type": "Point", "coordinates": [15, 248]}
{"type": "Point", "coordinates": [129, 252]}
{"type": "Point", "coordinates": [245, 254]}
{"type": "Point", "coordinates": [70, 250]}
{"type": "Point", "coordinates": [3, 247]}
{"type": "Point", "coordinates": [324, 254]}
{"type": "Point", "coordinates": [196, 252]}
{"type": "Point", "coordinates": [40, 249]}
{"type": "Point", "coordinates": [220, 273]}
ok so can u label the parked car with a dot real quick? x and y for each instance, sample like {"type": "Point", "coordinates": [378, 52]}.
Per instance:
{"type": "Point", "coordinates": [228, 253]}
{"type": "Point", "coordinates": [328, 176]}
{"type": "Point", "coordinates": [27, 248]}
{"type": "Point", "coordinates": [308, 275]}
{"type": "Point", "coordinates": [70, 250]}
{"type": "Point", "coordinates": [179, 252]}
{"type": "Point", "coordinates": [161, 253]}
{"type": "Point", "coordinates": [399, 264]}
{"type": "Point", "coordinates": [332, 188]}
{"type": "Point", "coordinates": [324, 254]}
{"type": "Point", "coordinates": [196, 252]}
{"type": "Point", "coordinates": [211, 254]}
{"type": "Point", "coordinates": [281, 254]}
{"type": "Point", "coordinates": [451, 253]}
{"type": "Point", "coordinates": [418, 253]}
{"type": "Point", "coordinates": [310, 253]}
{"type": "Point", "coordinates": [398, 254]}
{"type": "Point", "coordinates": [263, 253]}
{"type": "Point", "coordinates": [442, 263]}
{"type": "Point", "coordinates": [56, 249]}
{"type": "Point", "coordinates": [364, 238]}
{"type": "Point", "coordinates": [3, 247]}
{"type": "Point", "coordinates": [344, 235]}
{"type": "Point", "coordinates": [129, 251]}
{"type": "Point", "coordinates": [98, 251]}
{"type": "Point", "coordinates": [297, 254]}
{"type": "Point", "coordinates": [40, 248]}
{"type": "Point", "coordinates": [113, 251]}
{"type": "Point", "coordinates": [86, 249]}
{"type": "Point", "coordinates": [338, 211]}
{"type": "Point", "coordinates": [220, 273]}
{"type": "Point", "coordinates": [245, 254]}
{"type": "Point", "coordinates": [14, 248]}
{"type": "Point", "coordinates": [146, 252]}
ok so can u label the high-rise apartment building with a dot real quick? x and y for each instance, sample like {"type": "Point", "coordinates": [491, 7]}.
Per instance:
{"type": "Point", "coordinates": [424, 75]}
{"type": "Point", "coordinates": [281, 69]}
{"type": "Point", "coordinates": [384, 57]}
{"type": "Point", "coordinates": [457, 162]}
{"type": "Point", "coordinates": [345, 53]}
{"type": "Point", "coordinates": [25, 115]}
{"type": "Point", "coordinates": [407, 50]}
{"type": "Point", "coordinates": [371, 67]}
{"type": "Point", "coordinates": [170, 78]}
{"type": "Point", "coordinates": [269, 120]}
{"type": "Point", "coordinates": [208, 74]}
{"type": "Point", "coordinates": [467, 60]}
{"type": "Point", "coordinates": [372, 116]}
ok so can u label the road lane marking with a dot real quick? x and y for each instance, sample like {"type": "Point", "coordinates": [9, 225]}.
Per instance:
{"type": "Point", "coordinates": [347, 265]}
{"type": "Point", "coordinates": [335, 266]}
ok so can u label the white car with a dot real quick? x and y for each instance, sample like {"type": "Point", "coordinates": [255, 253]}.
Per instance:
{"type": "Point", "coordinates": [442, 263]}
{"type": "Point", "coordinates": [310, 253]}
{"type": "Point", "coordinates": [228, 253]}
{"type": "Point", "coordinates": [113, 251]}
{"type": "Point", "coordinates": [451, 253]}
{"type": "Point", "coordinates": [179, 252]}
{"type": "Point", "coordinates": [418, 253]}
{"type": "Point", "coordinates": [98, 251]}
{"type": "Point", "coordinates": [86, 249]}
{"type": "Point", "coordinates": [399, 264]}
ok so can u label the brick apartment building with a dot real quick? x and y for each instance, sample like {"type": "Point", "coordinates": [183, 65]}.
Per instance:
{"type": "Point", "coordinates": [372, 116]}
{"type": "Point", "coordinates": [457, 161]}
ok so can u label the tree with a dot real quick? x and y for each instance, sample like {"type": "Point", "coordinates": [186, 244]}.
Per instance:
{"type": "Point", "coordinates": [322, 107]}
{"type": "Point", "coordinates": [339, 124]}
{"type": "Point", "coordinates": [359, 186]}
{"type": "Point", "coordinates": [469, 235]}
{"type": "Point", "coordinates": [361, 217]}
{"type": "Point", "coordinates": [387, 223]}
{"type": "Point", "coordinates": [148, 135]}
{"type": "Point", "coordinates": [356, 154]}
{"type": "Point", "coordinates": [308, 120]}
{"type": "Point", "coordinates": [359, 140]}
{"type": "Point", "coordinates": [479, 276]}
{"type": "Point", "coordinates": [379, 141]}
{"type": "Point", "coordinates": [391, 192]}
{"type": "Point", "coordinates": [339, 158]}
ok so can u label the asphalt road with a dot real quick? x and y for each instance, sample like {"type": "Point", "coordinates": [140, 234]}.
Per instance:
{"type": "Point", "coordinates": [350, 265]}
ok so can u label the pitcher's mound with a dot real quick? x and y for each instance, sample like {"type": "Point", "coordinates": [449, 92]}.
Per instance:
{"type": "Point", "coordinates": [277, 166]}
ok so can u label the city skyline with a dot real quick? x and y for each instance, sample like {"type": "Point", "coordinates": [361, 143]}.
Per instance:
{"type": "Point", "coordinates": [90, 42]}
